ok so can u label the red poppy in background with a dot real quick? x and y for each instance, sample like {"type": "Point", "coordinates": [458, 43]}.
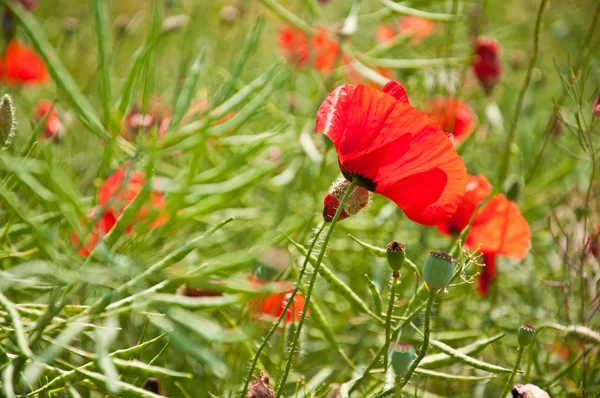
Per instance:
{"type": "Point", "coordinates": [54, 126]}
{"type": "Point", "coordinates": [113, 197]}
{"type": "Point", "coordinates": [322, 50]}
{"type": "Point", "coordinates": [593, 243]}
{"type": "Point", "coordinates": [501, 230]}
{"type": "Point", "coordinates": [395, 150]}
{"type": "Point", "coordinates": [416, 27]}
{"type": "Point", "coordinates": [487, 63]}
{"type": "Point", "coordinates": [454, 116]}
{"type": "Point", "coordinates": [21, 66]}
{"type": "Point", "coordinates": [274, 303]}
{"type": "Point", "coordinates": [384, 33]}
{"type": "Point", "coordinates": [478, 188]}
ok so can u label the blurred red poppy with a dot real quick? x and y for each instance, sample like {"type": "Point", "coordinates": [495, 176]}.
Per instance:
{"type": "Point", "coordinates": [478, 188]}
{"type": "Point", "coordinates": [487, 63]}
{"type": "Point", "coordinates": [322, 50]}
{"type": "Point", "coordinates": [54, 125]}
{"type": "Point", "coordinates": [501, 230]}
{"type": "Point", "coordinates": [416, 27]}
{"type": "Point", "coordinates": [274, 303]}
{"type": "Point", "coordinates": [21, 66]}
{"type": "Point", "coordinates": [593, 243]}
{"type": "Point", "coordinates": [384, 33]}
{"type": "Point", "coordinates": [393, 149]}
{"type": "Point", "coordinates": [113, 197]}
{"type": "Point", "coordinates": [454, 116]}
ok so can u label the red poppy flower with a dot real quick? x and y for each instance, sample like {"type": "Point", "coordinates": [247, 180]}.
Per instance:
{"type": "Point", "coordinates": [384, 33]}
{"type": "Point", "coordinates": [113, 196]}
{"type": "Point", "coordinates": [487, 63]}
{"type": "Point", "coordinates": [478, 188]}
{"type": "Point", "coordinates": [416, 27]}
{"type": "Point", "coordinates": [274, 303]}
{"type": "Point", "coordinates": [454, 116]}
{"type": "Point", "coordinates": [54, 126]}
{"type": "Point", "coordinates": [395, 150]}
{"type": "Point", "coordinates": [21, 66]}
{"type": "Point", "coordinates": [294, 46]}
{"type": "Point", "coordinates": [500, 230]}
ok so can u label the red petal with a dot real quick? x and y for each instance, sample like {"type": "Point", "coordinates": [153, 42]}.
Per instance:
{"type": "Point", "coordinates": [23, 65]}
{"type": "Point", "coordinates": [333, 112]}
{"type": "Point", "coordinates": [501, 229]}
{"type": "Point", "coordinates": [478, 188]}
{"type": "Point", "coordinates": [396, 90]}
{"type": "Point", "coordinates": [488, 274]}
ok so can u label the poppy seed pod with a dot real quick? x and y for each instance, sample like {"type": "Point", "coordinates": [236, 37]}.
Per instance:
{"type": "Point", "coordinates": [395, 255]}
{"type": "Point", "coordinates": [525, 335]}
{"type": "Point", "coordinates": [357, 200]}
{"type": "Point", "coordinates": [7, 121]}
{"type": "Point", "coordinates": [439, 268]}
{"type": "Point", "coordinates": [402, 355]}
{"type": "Point", "coordinates": [260, 388]}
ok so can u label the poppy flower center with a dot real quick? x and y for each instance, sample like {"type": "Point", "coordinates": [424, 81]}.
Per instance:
{"type": "Point", "coordinates": [362, 181]}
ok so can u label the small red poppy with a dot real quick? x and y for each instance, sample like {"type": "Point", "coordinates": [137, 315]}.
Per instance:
{"type": "Point", "coordinates": [454, 116]}
{"type": "Point", "coordinates": [501, 230]}
{"type": "Point", "coordinates": [102, 227]}
{"type": "Point", "coordinates": [322, 50]}
{"type": "Point", "coordinates": [384, 33]}
{"type": "Point", "coordinates": [21, 66]}
{"type": "Point", "coordinates": [274, 303]}
{"type": "Point", "coordinates": [416, 27]}
{"type": "Point", "coordinates": [487, 63]}
{"type": "Point", "coordinates": [393, 149]}
{"type": "Point", "coordinates": [478, 188]}
{"type": "Point", "coordinates": [54, 125]}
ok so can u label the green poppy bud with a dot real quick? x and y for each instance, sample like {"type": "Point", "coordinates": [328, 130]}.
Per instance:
{"type": "Point", "coordinates": [7, 121]}
{"type": "Point", "coordinates": [439, 268]}
{"type": "Point", "coordinates": [402, 355]}
{"type": "Point", "coordinates": [395, 255]}
{"type": "Point", "coordinates": [525, 335]}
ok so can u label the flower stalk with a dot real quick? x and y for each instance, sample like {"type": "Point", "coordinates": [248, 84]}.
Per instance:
{"type": "Point", "coordinates": [388, 319]}
{"type": "Point", "coordinates": [311, 285]}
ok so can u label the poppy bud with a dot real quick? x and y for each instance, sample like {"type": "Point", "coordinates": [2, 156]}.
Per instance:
{"type": "Point", "coordinates": [357, 200]}
{"type": "Point", "coordinates": [438, 270]}
{"type": "Point", "coordinates": [402, 355]}
{"type": "Point", "coordinates": [487, 64]}
{"type": "Point", "coordinates": [395, 255]}
{"type": "Point", "coordinates": [152, 385]}
{"type": "Point", "coordinates": [260, 388]}
{"type": "Point", "coordinates": [7, 121]}
{"type": "Point", "coordinates": [596, 107]}
{"type": "Point", "coordinates": [54, 126]}
{"type": "Point", "coordinates": [528, 391]}
{"type": "Point", "coordinates": [525, 335]}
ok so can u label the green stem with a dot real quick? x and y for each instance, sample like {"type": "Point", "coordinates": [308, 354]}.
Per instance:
{"type": "Point", "coordinates": [510, 380]}
{"type": "Point", "coordinates": [388, 319]}
{"type": "Point", "coordinates": [424, 346]}
{"type": "Point", "coordinates": [289, 302]}
{"type": "Point", "coordinates": [503, 170]}
{"type": "Point", "coordinates": [311, 285]}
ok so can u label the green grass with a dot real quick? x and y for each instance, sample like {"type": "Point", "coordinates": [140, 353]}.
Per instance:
{"type": "Point", "coordinates": [245, 196]}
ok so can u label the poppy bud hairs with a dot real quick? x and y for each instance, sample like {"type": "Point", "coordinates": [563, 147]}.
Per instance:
{"type": "Point", "coordinates": [358, 199]}
{"type": "Point", "coordinates": [393, 149]}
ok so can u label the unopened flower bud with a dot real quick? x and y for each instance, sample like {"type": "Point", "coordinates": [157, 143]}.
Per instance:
{"type": "Point", "coordinates": [395, 255]}
{"type": "Point", "coordinates": [260, 388]}
{"type": "Point", "coordinates": [438, 270]}
{"type": "Point", "coordinates": [525, 335]}
{"type": "Point", "coordinates": [402, 355]}
{"type": "Point", "coordinates": [528, 391]}
{"type": "Point", "coordinates": [487, 63]}
{"type": "Point", "coordinates": [7, 121]}
{"type": "Point", "coordinates": [152, 385]}
{"type": "Point", "coordinates": [358, 199]}
{"type": "Point", "coordinates": [596, 107]}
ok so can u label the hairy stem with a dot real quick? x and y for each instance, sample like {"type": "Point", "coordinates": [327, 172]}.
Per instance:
{"type": "Point", "coordinates": [311, 285]}
{"type": "Point", "coordinates": [388, 319]}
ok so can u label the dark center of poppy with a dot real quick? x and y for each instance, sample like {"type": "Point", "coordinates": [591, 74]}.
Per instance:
{"type": "Point", "coordinates": [364, 182]}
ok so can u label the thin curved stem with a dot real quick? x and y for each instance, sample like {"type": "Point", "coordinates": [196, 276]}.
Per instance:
{"type": "Point", "coordinates": [311, 285]}
{"type": "Point", "coordinates": [504, 163]}
{"type": "Point", "coordinates": [289, 302]}
{"type": "Point", "coordinates": [424, 346]}
{"type": "Point", "coordinates": [388, 319]}
{"type": "Point", "coordinates": [510, 380]}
